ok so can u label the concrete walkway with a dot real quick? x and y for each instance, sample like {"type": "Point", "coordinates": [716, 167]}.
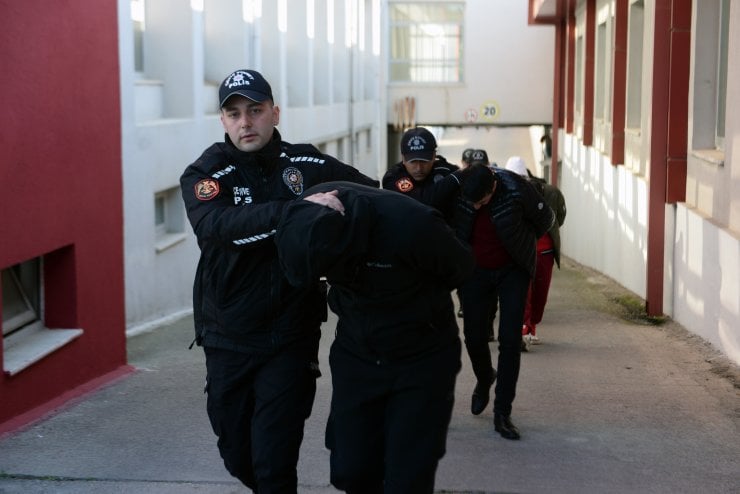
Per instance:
{"type": "Point", "coordinates": [604, 405]}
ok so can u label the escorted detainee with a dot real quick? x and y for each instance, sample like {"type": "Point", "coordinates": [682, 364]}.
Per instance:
{"type": "Point", "coordinates": [501, 215]}
{"type": "Point", "coordinates": [391, 263]}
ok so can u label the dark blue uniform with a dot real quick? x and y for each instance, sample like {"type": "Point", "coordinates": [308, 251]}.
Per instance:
{"type": "Point", "coordinates": [259, 333]}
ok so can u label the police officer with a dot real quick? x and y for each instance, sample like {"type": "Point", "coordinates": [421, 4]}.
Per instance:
{"type": "Point", "coordinates": [423, 174]}
{"type": "Point", "coordinates": [391, 263]}
{"type": "Point", "coordinates": [260, 334]}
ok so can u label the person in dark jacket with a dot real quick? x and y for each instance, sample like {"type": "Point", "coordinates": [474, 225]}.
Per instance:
{"type": "Point", "coordinates": [260, 335]}
{"type": "Point", "coordinates": [391, 263]}
{"type": "Point", "coordinates": [423, 174]}
{"type": "Point", "coordinates": [502, 216]}
{"type": "Point", "coordinates": [548, 253]}
{"type": "Point", "coordinates": [480, 157]}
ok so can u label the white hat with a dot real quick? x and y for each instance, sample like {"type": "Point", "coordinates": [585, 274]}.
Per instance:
{"type": "Point", "coordinates": [516, 165]}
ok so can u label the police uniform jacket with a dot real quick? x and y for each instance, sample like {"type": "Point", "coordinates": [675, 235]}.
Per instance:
{"type": "Point", "coordinates": [519, 213]}
{"type": "Point", "coordinates": [234, 199]}
{"type": "Point", "coordinates": [439, 189]}
{"type": "Point", "coordinates": [391, 263]}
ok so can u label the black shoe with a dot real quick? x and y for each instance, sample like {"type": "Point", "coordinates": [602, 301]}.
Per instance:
{"type": "Point", "coordinates": [481, 396]}
{"type": "Point", "coordinates": [503, 425]}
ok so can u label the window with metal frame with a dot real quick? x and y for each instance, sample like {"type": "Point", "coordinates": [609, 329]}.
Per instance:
{"type": "Point", "coordinates": [169, 218]}
{"type": "Point", "coordinates": [710, 77]}
{"type": "Point", "coordinates": [426, 42]}
{"type": "Point", "coordinates": [21, 289]}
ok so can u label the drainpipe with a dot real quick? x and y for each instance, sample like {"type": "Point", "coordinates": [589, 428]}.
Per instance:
{"type": "Point", "coordinates": [668, 134]}
{"type": "Point", "coordinates": [557, 100]}
{"type": "Point", "coordinates": [658, 161]}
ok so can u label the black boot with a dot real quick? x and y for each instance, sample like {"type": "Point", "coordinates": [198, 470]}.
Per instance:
{"type": "Point", "coordinates": [503, 425]}
{"type": "Point", "coordinates": [481, 396]}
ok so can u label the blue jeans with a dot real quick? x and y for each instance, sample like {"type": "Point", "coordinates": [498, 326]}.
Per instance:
{"type": "Point", "coordinates": [510, 284]}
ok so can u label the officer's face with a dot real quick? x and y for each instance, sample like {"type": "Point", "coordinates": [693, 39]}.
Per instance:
{"type": "Point", "coordinates": [249, 124]}
{"type": "Point", "coordinates": [419, 169]}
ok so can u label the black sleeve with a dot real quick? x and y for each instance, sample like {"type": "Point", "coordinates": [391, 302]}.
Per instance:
{"type": "Point", "coordinates": [440, 194]}
{"type": "Point", "coordinates": [558, 205]}
{"type": "Point", "coordinates": [536, 210]}
{"type": "Point", "coordinates": [391, 177]}
{"type": "Point", "coordinates": [443, 256]}
{"type": "Point", "coordinates": [338, 171]}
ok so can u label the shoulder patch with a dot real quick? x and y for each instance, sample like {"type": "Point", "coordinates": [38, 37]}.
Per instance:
{"type": "Point", "coordinates": [206, 189]}
{"type": "Point", "coordinates": [404, 184]}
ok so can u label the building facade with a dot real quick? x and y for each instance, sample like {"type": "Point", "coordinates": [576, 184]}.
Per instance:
{"type": "Point", "coordinates": [647, 151]}
{"type": "Point", "coordinates": [61, 234]}
{"type": "Point", "coordinates": [96, 245]}
{"type": "Point", "coordinates": [322, 61]}
{"type": "Point", "coordinates": [472, 72]}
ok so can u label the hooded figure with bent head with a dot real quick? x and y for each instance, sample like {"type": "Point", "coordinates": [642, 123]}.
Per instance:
{"type": "Point", "coordinates": [391, 263]}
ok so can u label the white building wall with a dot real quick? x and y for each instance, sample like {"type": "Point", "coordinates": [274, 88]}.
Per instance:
{"type": "Point", "coordinates": [169, 115]}
{"type": "Point", "coordinates": [707, 286]}
{"type": "Point", "coordinates": [606, 228]}
{"type": "Point", "coordinates": [706, 261]}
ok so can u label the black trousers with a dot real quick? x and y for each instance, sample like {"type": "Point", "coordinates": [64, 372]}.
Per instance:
{"type": "Point", "coordinates": [510, 284]}
{"type": "Point", "coordinates": [257, 406]}
{"type": "Point", "coordinates": [388, 422]}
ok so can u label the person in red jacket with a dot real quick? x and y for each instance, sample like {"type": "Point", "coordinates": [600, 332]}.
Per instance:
{"type": "Point", "coordinates": [548, 253]}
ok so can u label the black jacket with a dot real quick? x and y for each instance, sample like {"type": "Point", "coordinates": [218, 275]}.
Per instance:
{"type": "Point", "coordinates": [519, 214]}
{"type": "Point", "coordinates": [555, 199]}
{"type": "Point", "coordinates": [439, 189]}
{"type": "Point", "coordinates": [241, 299]}
{"type": "Point", "coordinates": [391, 263]}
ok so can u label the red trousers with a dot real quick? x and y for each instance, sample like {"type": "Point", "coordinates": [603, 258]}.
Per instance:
{"type": "Point", "coordinates": [538, 290]}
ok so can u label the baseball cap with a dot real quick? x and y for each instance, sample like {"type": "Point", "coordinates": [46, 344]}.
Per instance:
{"type": "Point", "coordinates": [418, 144]}
{"type": "Point", "coordinates": [467, 155]}
{"type": "Point", "coordinates": [479, 157]}
{"type": "Point", "coordinates": [247, 83]}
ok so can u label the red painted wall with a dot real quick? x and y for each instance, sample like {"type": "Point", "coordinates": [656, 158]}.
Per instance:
{"type": "Point", "coordinates": [60, 172]}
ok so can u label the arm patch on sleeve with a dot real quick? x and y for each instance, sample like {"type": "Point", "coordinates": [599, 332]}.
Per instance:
{"type": "Point", "coordinates": [206, 189]}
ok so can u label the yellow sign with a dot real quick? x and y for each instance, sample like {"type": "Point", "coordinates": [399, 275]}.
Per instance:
{"type": "Point", "coordinates": [489, 111]}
